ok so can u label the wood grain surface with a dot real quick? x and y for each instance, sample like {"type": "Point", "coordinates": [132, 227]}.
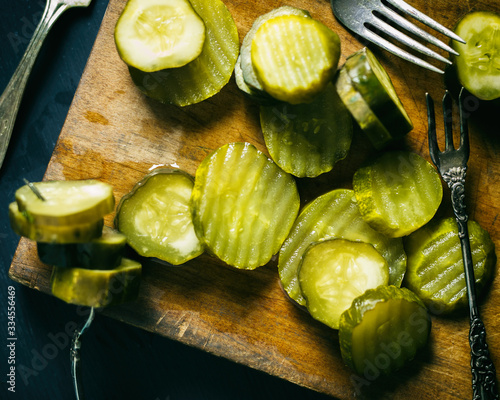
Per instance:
{"type": "Point", "coordinates": [115, 134]}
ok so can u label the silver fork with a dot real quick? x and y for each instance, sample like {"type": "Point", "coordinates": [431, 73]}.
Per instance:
{"type": "Point", "coordinates": [366, 17]}
{"type": "Point", "coordinates": [13, 93]}
{"type": "Point", "coordinates": [452, 165]}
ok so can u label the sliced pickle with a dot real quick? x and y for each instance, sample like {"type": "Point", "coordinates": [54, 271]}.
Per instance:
{"type": "Point", "coordinates": [152, 35]}
{"type": "Point", "coordinates": [243, 205]}
{"type": "Point", "coordinates": [334, 215]}
{"type": "Point", "coordinates": [398, 192]}
{"type": "Point", "coordinates": [307, 140]}
{"type": "Point", "coordinates": [66, 203]}
{"type": "Point", "coordinates": [104, 252]}
{"type": "Point", "coordinates": [156, 217]}
{"type": "Point", "coordinates": [294, 57]}
{"type": "Point", "coordinates": [247, 69]}
{"type": "Point", "coordinates": [97, 288]}
{"type": "Point", "coordinates": [435, 266]}
{"type": "Point", "coordinates": [372, 81]}
{"type": "Point", "coordinates": [207, 74]}
{"type": "Point", "coordinates": [334, 272]}
{"type": "Point", "coordinates": [383, 330]}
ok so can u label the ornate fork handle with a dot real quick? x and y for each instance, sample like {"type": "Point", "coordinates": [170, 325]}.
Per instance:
{"type": "Point", "coordinates": [484, 382]}
{"type": "Point", "coordinates": [13, 93]}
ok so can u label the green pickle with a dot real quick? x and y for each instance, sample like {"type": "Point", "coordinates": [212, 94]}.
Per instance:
{"type": "Point", "coordinates": [97, 288]}
{"type": "Point", "coordinates": [435, 265]}
{"type": "Point", "coordinates": [243, 205]}
{"type": "Point", "coordinates": [334, 272]}
{"type": "Point", "coordinates": [334, 215]}
{"type": "Point", "coordinates": [398, 192]}
{"type": "Point", "coordinates": [156, 218]}
{"type": "Point", "coordinates": [383, 330]}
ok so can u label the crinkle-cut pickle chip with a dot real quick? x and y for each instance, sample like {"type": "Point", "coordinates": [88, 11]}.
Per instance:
{"type": "Point", "coordinates": [334, 272]}
{"type": "Point", "coordinates": [306, 140]}
{"type": "Point", "coordinates": [398, 192]}
{"type": "Point", "coordinates": [294, 57]}
{"type": "Point", "coordinates": [24, 226]}
{"type": "Point", "coordinates": [243, 205]}
{"type": "Point", "coordinates": [97, 288]}
{"type": "Point", "coordinates": [247, 68]}
{"type": "Point", "coordinates": [155, 216]}
{"type": "Point", "coordinates": [208, 73]}
{"type": "Point", "coordinates": [104, 252]}
{"type": "Point", "coordinates": [72, 202]}
{"type": "Point", "coordinates": [333, 215]}
{"type": "Point", "coordinates": [383, 330]}
{"type": "Point", "coordinates": [435, 265]}
{"type": "Point", "coordinates": [478, 65]}
{"type": "Point", "coordinates": [152, 35]}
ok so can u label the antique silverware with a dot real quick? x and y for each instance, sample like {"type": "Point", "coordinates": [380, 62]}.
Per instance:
{"type": "Point", "coordinates": [13, 93]}
{"type": "Point", "coordinates": [369, 17]}
{"type": "Point", "coordinates": [452, 165]}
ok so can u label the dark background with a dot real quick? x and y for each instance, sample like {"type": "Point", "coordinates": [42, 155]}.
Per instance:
{"type": "Point", "coordinates": [118, 361]}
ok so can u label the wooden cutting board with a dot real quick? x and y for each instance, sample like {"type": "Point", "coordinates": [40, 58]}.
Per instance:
{"type": "Point", "coordinates": [115, 134]}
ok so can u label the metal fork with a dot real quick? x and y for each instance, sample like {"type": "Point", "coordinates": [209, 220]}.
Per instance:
{"type": "Point", "coordinates": [368, 17]}
{"type": "Point", "coordinates": [13, 93]}
{"type": "Point", "coordinates": [452, 165]}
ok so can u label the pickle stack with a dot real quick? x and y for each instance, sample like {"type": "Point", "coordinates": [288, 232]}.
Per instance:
{"type": "Point", "coordinates": [66, 219]}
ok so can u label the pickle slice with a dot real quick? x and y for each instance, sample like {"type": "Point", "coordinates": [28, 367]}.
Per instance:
{"type": "Point", "coordinates": [334, 272]}
{"type": "Point", "coordinates": [375, 131]}
{"type": "Point", "coordinates": [73, 202]}
{"type": "Point", "coordinates": [254, 94]}
{"type": "Point", "coordinates": [104, 252]}
{"type": "Point", "coordinates": [435, 266]}
{"type": "Point", "coordinates": [307, 140]}
{"type": "Point", "coordinates": [156, 217]}
{"type": "Point", "coordinates": [294, 57]}
{"type": "Point", "coordinates": [398, 192]}
{"type": "Point", "coordinates": [334, 215]}
{"type": "Point", "coordinates": [383, 330]}
{"type": "Point", "coordinates": [97, 288]}
{"type": "Point", "coordinates": [208, 73]}
{"type": "Point", "coordinates": [24, 226]}
{"type": "Point", "coordinates": [247, 68]}
{"type": "Point", "coordinates": [372, 81]}
{"type": "Point", "coordinates": [152, 35]}
{"type": "Point", "coordinates": [243, 205]}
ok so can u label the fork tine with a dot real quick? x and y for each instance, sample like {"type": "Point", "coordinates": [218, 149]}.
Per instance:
{"type": "Point", "coordinates": [426, 20]}
{"type": "Point", "coordinates": [431, 121]}
{"type": "Point", "coordinates": [385, 44]}
{"type": "Point", "coordinates": [464, 129]}
{"type": "Point", "coordinates": [448, 120]}
{"type": "Point", "coordinates": [412, 28]}
{"type": "Point", "coordinates": [400, 36]}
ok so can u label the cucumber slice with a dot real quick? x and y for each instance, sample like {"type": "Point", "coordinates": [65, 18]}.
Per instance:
{"type": "Point", "coordinates": [22, 225]}
{"type": "Point", "coordinates": [478, 65]}
{"type": "Point", "coordinates": [247, 69]}
{"type": "Point", "coordinates": [307, 140]}
{"type": "Point", "coordinates": [375, 131]}
{"type": "Point", "coordinates": [435, 267]}
{"type": "Point", "coordinates": [334, 272]}
{"type": "Point", "coordinates": [294, 57]}
{"type": "Point", "coordinates": [207, 74]}
{"type": "Point", "coordinates": [334, 215]}
{"type": "Point", "coordinates": [243, 205]}
{"type": "Point", "coordinates": [152, 35]}
{"type": "Point", "coordinates": [254, 94]}
{"type": "Point", "coordinates": [382, 330]}
{"type": "Point", "coordinates": [371, 80]}
{"type": "Point", "coordinates": [104, 252]}
{"type": "Point", "coordinates": [398, 192]}
{"type": "Point", "coordinates": [156, 217]}
{"type": "Point", "coordinates": [97, 288]}
{"type": "Point", "coordinates": [74, 202]}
